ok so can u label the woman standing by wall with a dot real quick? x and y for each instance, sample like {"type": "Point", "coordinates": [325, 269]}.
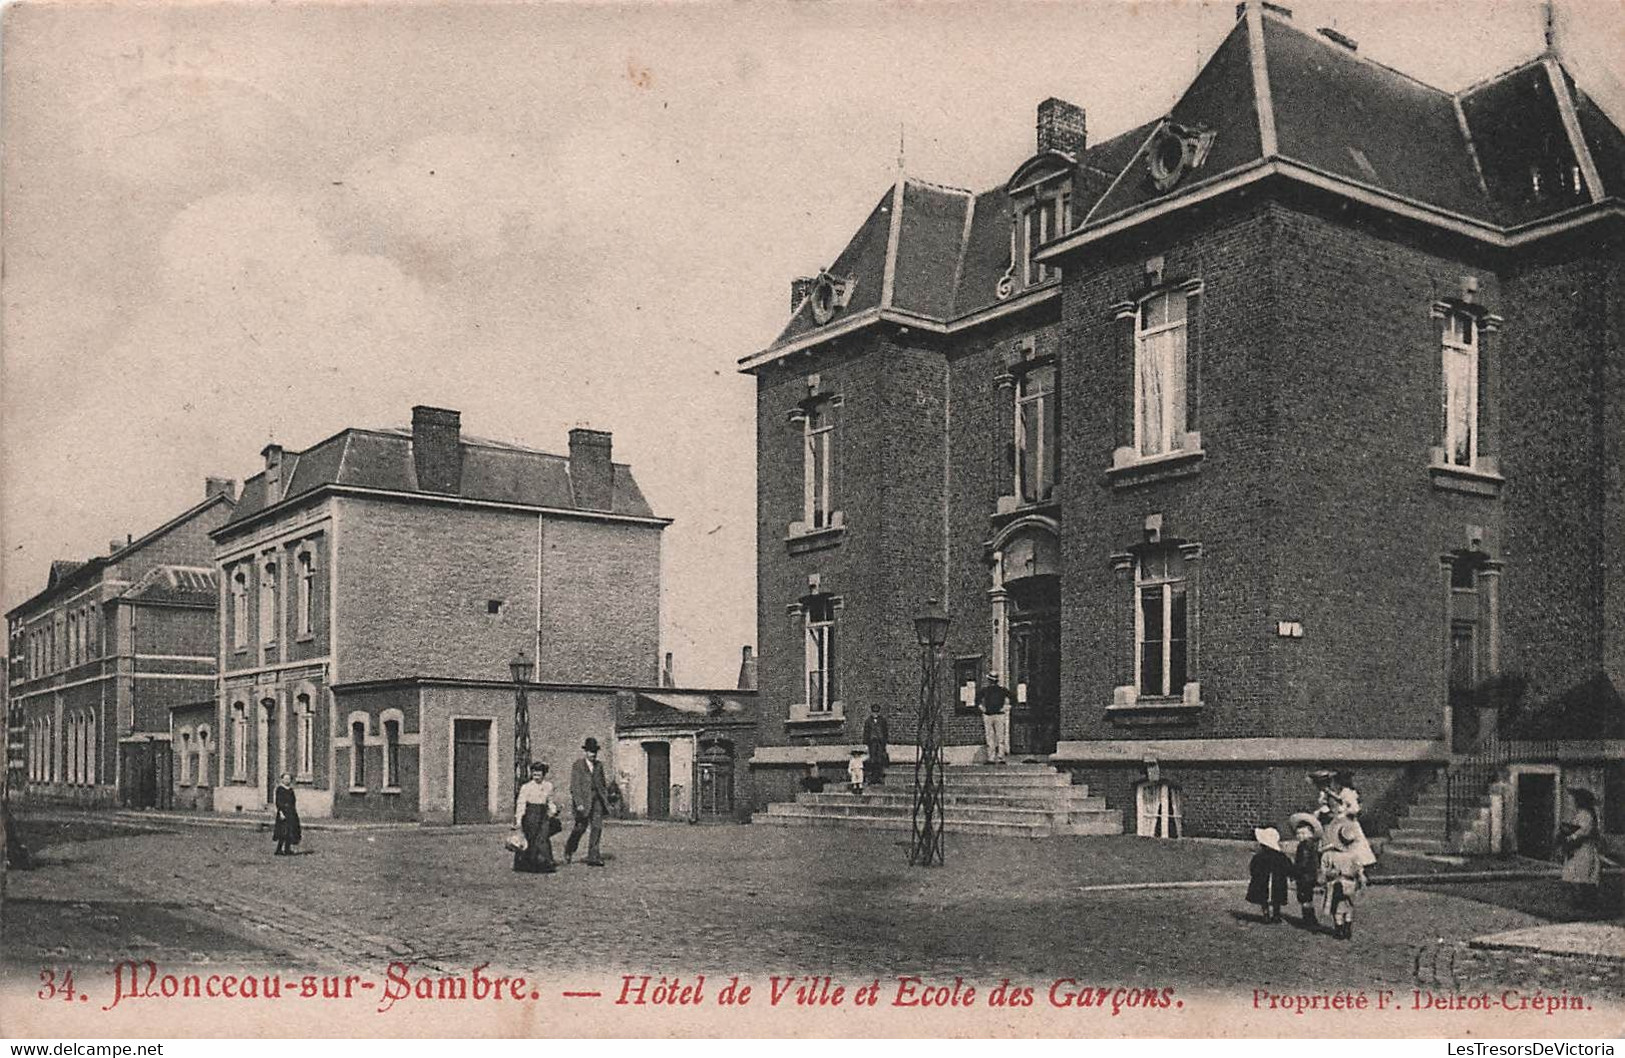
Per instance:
{"type": "Point", "coordinates": [286, 829]}
{"type": "Point", "coordinates": [1582, 863]}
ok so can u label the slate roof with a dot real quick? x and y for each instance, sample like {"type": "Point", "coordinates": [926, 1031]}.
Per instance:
{"type": "Point", "coordinates": [194, 585]}
{"type": "Point", "coordinates": [681, 708]}
{"type": "Point", "coordinates": [67, 573]}
{"type": "Point", "coordinates": [493, 471]}
{"type": "Point", "coordinates": [1273, 94]}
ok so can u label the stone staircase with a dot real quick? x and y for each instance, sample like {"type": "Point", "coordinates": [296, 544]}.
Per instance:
{"type": "Point", "coordinates": [1014, 800]}
{"type": "Point", "coordinates": [1422, 828]}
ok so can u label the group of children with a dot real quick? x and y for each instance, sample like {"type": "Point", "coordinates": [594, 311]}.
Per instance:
{"type": "Point", "coordinates": [1331, 857]}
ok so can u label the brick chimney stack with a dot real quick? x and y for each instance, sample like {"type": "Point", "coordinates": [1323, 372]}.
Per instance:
{"type": "Point", "coordinates": [213, 487]}
{"type": "Point", "coordinates": [747, 670]}
{"type": "Point", "coordinates": [800, 287]}
{"type": "Point", "coordinates": [273, 472]}
{"type": "Point", "coordinates": [592, 477]}
{"type": "Point", "coordinates": [437, 449]}
{"type": "Point", "coordinates": [1062, 127]}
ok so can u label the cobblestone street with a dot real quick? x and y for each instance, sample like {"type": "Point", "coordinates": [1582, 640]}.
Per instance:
{"type": "Point", "coordinates": [750, 900]}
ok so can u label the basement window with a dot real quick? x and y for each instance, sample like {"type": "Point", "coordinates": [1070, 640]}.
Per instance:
{"type": "Point", "coordinates": [493, 606]}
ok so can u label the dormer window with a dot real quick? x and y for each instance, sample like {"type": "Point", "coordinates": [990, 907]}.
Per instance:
{"type": "Point", "coordinates": [1043, 220]}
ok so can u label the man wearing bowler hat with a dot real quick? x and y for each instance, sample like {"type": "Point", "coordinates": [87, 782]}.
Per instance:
{"type": "Point", "coordinates": [590, 794]}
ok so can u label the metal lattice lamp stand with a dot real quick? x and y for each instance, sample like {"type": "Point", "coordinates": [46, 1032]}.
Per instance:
{"type": "Point", "coordinates": [925, 850]}
{"type": "Point", "coordinates": [522, 669]}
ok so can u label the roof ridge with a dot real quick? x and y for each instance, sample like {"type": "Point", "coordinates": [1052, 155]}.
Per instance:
{"type": "Point", "coordinates": [1354, 53]}
{"type": "Point", "coordinates": [936, 186]}
{"type": "Point", "coordinates": [1485, 82]}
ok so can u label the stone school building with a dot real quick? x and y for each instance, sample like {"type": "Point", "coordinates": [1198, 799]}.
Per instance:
{"type": "Point", "coordinates": [1284, 430]}
{"type": "Point", "coordinates": [374, 589]}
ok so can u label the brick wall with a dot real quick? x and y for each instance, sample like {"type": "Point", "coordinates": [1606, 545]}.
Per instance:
{"type": "Point", "coordinates": [414, 580]}
{"type": "Point", "coordinates": [600, 602]}
{"type": "Point", "coordinates": [1565, 617]}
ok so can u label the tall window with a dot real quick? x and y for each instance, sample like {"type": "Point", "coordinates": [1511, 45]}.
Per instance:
{"type": "Point", "coordinates": [1160, 624]}
{"type": "Point", "coordinates": [1159, 374]}
{"type": "Point", "coordinates": [358, 748]}
{"type": "Point", "coordinates": [392, 753]}
{"type": "Point", "coordinates": [819, 615]}
{"type": "Point", "coordinates": [239, 741]}
{"type": "Point", "coordinates": [268, 603]}
{"type": "Point", "coordinates": [186, 758]}
{"type": "Point", "coordinates": [1460, 395]}
{"type": "Point", "coordinates": [306, 714]}
{"type": "Point", "coordinates": [306, 569]}
{"type": "Point", "coordinates": [204, 775]}
{"type": "Point", "coordinates": [239, 609]}
{"type": "Point", "coordinates": [817, 476]}
{"type": "Point", "coordinates": [1035, 434]}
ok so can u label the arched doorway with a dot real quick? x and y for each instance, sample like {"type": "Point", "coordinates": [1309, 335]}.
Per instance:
{"type": "Point", "coordinates": [1026, 648]}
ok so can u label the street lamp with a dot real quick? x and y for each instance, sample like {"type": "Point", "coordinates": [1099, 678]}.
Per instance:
{"type": "Point", "coordinates": [931, 632]}
{"type": "Point", "coordinates": [522, 668]}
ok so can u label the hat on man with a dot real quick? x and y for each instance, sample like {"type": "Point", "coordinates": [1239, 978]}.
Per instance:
{"type": "Point", "coordinates": [992, 675]}
{"type": "Point", "coordinates": [1268, 837]}
{"type": "Point", "coordinates": [591, 745]}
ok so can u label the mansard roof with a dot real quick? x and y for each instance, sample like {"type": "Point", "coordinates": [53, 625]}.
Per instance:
{"type": "Point", "coordinates": [1493, 161]}
{"type": "Point", "coordinates": [381, 461]}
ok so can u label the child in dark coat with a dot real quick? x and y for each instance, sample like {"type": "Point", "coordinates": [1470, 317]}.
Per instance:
{"type": "Point", "coordinates": [1306, 864]}
{"type": "Point", "coordinates": [1269, 871]}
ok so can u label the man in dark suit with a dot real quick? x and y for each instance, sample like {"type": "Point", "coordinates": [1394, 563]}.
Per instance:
{"type": "Point", "coordinates": [590, 794]}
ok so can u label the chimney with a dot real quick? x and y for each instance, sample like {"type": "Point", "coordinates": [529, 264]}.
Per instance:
{"type": "Point", "coordinates": [437, 449]}
{"type": "Point", "coordinates": [747, 670]}
{"type": "Point", "coordinates": [1061, 127]}
{"type": "Point", "coordinates": [800, 287]}
{"type": "Point", "coordinates": [213, 487]}
{"type": "Point", "coordinates": [592, 478]}
{"type": "Point", "coordinates": [114, 544]}
{"type": "Point", "coordinates": [273, 472]}
{"type": "Point", "coordinates": [667, 677]}
{"type": "Point", "coordinates": [1339, 38]}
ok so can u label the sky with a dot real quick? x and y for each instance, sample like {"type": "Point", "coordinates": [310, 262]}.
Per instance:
{"type": "Point", "coordinates": [227, 225]}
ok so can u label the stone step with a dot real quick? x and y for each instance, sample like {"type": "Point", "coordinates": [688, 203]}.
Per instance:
{"type": "Point", "coordinates": [1108, 822]}
{"type": "Point", "coordinates": [905, 810]}
{"type": "Point", "coordinates": [1056, 799]}
{"type": "Point", "coordinates": [1400, 834]}
{"type": "Point", "coordinates": [998, 779]}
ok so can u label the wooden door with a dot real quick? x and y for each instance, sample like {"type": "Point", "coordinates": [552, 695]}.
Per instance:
{"type": "Point", "coordinates": [471, 771]}
{"type": "Point", "coordinates": [659, 755]}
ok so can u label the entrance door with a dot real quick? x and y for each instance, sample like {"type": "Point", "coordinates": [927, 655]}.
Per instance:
{"type": "Point", "coordinates": [267, 721]}
{"type": "Point", "coordinates": [1537, 814]}
{"type": "Point", "coordinates": [659, 756]}
{"type": "Point", "coordinates": [1035, 666]}
{"type": "Point", "coordinates": [471, 771]}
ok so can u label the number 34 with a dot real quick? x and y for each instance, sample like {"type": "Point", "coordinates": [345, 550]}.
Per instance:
{"type": "Point", "coordinates": [50, 989]}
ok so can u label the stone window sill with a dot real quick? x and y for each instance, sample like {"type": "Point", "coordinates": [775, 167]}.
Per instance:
{"type": "Point", "coordinates": [801, 715]}
{"type": "Point", "coordinates": [1009, 508]}
{"type": "Point", "coordinates": [798, 538]}
{"type": "Point", "coordinates": [1129, 468]}
{"type": "Point", "coordinates": [358, 789]}
{"type": "Point", "coordinates": [1481, 480]}
{"type": "Point", "coordinates": [1129, 709]}
{"type": "Point", "coordinates": [308, 637]}
{"type": "Point", "coordinates": [390, 790]}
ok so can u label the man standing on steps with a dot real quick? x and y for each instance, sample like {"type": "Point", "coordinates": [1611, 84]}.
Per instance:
{"type": "Point", "coordinates": [590, 795]}
{"type": "Point", "coordinates": [994, 702]}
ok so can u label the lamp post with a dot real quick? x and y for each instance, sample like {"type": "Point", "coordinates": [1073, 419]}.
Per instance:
{"type": "Point", "coordinates": [522, 669]}
{"type": "Point", "coordinates": [931, 632]}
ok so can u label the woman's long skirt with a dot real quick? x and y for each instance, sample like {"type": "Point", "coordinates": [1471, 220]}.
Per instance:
{"type": "Point", "coordinates": [537, 857]}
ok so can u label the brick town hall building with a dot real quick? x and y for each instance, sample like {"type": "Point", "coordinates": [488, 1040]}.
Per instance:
{"type": "Point", "coordinates": [1284, 430]}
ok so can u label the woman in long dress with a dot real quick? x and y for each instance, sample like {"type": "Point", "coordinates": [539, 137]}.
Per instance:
{"type": "Point", "coordinates": [1582, 863]}
{"type": "Point", "coordinates": [286, 829]}
{"type": "Point", "coordinates": [533, 813]}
